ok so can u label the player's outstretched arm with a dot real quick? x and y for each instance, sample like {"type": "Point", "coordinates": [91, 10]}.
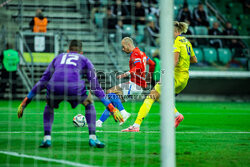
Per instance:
{"type": "Point", "coordinates": [40, 85]}
{"type": "Point", "coordinates": [98, 91]}
{"type": "Point", "coordinates": [193, 58]}
{"type": "Point", "coordinates": [123, 75]}
{"type": "Point", "coordinates": [22, 106]}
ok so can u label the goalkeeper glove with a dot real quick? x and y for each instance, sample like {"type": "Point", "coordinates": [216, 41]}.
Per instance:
{"type": "Point", "coordinates": [22, 106]}
{"type": "Point", "coordinates": [116, 113]}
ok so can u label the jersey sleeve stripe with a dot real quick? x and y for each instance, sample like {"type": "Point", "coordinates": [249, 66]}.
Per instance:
{"type": "Point", "coordinates": [136, 62]}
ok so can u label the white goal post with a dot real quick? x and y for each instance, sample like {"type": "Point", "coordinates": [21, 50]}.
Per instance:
{"type": "Point", "coordinates": [167, 98]}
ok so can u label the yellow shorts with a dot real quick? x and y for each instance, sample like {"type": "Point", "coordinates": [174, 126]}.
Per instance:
{"type": "Point", "coordinates": [180, 82]}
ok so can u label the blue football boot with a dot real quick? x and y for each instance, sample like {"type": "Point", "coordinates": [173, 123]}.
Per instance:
{"type": "Point", "coordinates": [45, 144]}
{"type": "Point", "coordinates": [96, 143]}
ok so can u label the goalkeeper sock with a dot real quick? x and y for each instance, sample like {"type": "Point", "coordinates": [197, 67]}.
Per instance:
{"type": "Point", "coordinates": [92, 137]}
{"type": "Point", "coordinates": [148, 102]}
{"type": "Point", "coordinates": [116, 101]}
{"type": "Point", "coordinates": [46, 137]}
{"type": "Point", "coordinates": [48, 118]}
{"type": "Point", "coordinates": [90, 115]}
{"type": "Point", "coordinates": [105, 115]}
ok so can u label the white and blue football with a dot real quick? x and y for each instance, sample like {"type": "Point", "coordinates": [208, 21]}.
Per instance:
{"type": "Point", "coordinates": [79, 120]}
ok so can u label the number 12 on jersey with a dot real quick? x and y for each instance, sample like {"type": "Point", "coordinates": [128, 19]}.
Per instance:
{"type": "Point", "coordinates": [69, 59]}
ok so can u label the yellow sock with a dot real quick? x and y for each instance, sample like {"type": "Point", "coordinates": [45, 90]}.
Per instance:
{"type": "Point", "coordinates": [143, 112]}
{"type": "Point", "coordinates": [176, 112]}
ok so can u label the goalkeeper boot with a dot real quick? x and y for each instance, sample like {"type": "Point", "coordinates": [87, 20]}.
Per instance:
{"type": "Point", "coordinates": [132, 129]}
{"type": "Point", "coordinates": [45, 144]}
{"type": "Point", "coordinates": [99, 123]}
{"type": "Point", "coordinates": [178, 120]}
{"type": "Point", "coordinates": [96, 143]}
{"type": "Point", "coordinates": [125, 116]}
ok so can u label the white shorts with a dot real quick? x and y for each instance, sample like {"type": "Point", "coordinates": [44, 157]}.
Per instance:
{"type": "Point", "coordinates": [129, 89]}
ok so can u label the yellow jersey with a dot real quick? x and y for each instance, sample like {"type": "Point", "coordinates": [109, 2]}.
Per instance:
{"type": "Point", "coordinates": [181, 74]}
{"type": "Point", "coordinates": [184, 47]}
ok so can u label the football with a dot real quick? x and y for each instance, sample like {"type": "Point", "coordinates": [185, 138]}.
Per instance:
{"type": "Point", "coordinates": [79, 120]}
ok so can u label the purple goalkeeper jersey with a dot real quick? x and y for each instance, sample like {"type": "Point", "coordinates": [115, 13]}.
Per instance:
{"type": "Point", "coordinates": [64, 75]}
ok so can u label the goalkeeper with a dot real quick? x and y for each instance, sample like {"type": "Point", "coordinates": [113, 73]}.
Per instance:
{"type": "Point", "coordinates": [62, 80]}
{"type": "Point", "coordinates": [183, 56]}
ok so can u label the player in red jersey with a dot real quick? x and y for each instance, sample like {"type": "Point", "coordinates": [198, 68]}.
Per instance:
{"type": "Point", "coordinates": [125, 91]}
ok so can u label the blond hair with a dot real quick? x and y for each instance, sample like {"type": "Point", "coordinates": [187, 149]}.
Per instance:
{"type": "Point", "coordinates": [128, 40]}
{"type": "Point", "coordinates": [180, 27]}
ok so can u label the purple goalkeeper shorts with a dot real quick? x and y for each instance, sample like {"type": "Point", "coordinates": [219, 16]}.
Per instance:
{"type": "Point", "coordinates": [54, 99]}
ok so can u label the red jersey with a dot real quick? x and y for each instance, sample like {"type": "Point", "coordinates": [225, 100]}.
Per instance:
{"type": "Point", "coordinates": [137, 66]}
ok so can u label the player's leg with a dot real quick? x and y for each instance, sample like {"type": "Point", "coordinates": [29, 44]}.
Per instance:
{"type": "Point", "coordinates": [103, 118]}
{"type": "Point", "coordinates": [118, 92]}
{"type": "Point", "coordinates": [178, 117]}
{"type": "Point", "coordinates": [114, 95]}
{"type": "Point", "coordinates": [180, 84]}
{"type": "Point", "coordinates": [145, 108]}
{"type": "Point", "coordinates": [115, 100]}
{"type": "Point", "coordinates": [134, 91]}
{"type": "Point", "coordinates": [90, 114]}
{"type": "Point", "coordinates": [48, 118]}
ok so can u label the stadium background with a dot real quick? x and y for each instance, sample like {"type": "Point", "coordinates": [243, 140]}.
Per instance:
{"type": "Point", "coordinates": [216, 78]}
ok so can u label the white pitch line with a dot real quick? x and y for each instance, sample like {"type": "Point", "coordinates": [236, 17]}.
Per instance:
{"type": "Point", "coordinates": [100, 131]}
{"type": "Point", "coordinates": [214, 132]}
{"type": "Point", "coordinates": [69, 113]}
{"type": "Point", "coordinates": [44, 159]}
{"type": "Point", "coordinates": [216, 113]}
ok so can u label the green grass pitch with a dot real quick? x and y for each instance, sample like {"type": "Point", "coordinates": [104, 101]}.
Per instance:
{"type": "Point", "coordinates": [212, 134]}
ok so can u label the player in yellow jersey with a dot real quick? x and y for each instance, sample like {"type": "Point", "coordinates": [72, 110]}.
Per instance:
{"type": "Point", "coordinates": [183, 56]}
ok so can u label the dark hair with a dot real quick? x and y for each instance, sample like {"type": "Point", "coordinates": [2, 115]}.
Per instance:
{"type": "Point", "coordinates": [185, 5]}
{"type": "Point", "coordinates": [200, 3]}
{"type": "Point", "coordinates": [75, 45]}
